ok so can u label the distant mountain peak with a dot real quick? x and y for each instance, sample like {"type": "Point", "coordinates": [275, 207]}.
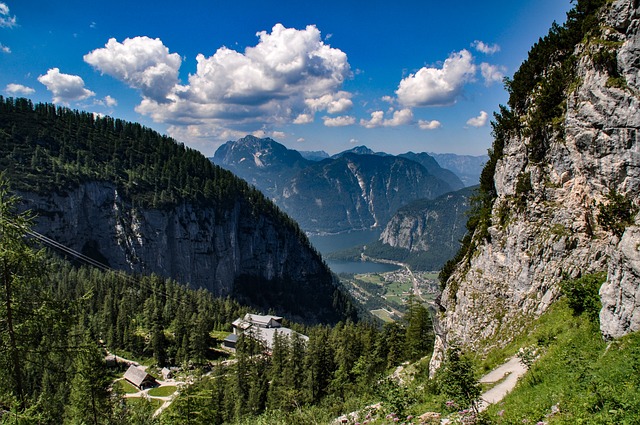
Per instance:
{"type": "Point", "coordinates": [359, 150]}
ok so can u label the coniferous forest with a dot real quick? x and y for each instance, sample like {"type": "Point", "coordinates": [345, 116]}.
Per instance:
{"type": "Point", "coordinates": [59, 319]}
{"type": "Point", "coordinates": [60, 316]}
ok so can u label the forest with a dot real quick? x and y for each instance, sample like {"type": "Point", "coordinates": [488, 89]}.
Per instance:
{"type": "Point", "coordinates": [58, 319]}
{"type": "Point", "coordinates": [48, 148]}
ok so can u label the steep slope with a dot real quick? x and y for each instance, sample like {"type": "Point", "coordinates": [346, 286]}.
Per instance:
{"type": "Point", "coordinates": [264, 163]}
{"type": "Point", "coordinates": [432, 166]}
{"type": "Point", "coordinates": [137, 201]}
{"type": "Point", "coordinates": [356, 191]}
{"type": "Point", "coordinates": [429, 229]}
{"type": "Point", "coordinates": [466, 167]}
{"type": "Point", "coordinates": [564, 148]}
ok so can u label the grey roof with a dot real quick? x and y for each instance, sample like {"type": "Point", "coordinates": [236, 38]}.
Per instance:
{"type": "Point", "coordinates": [231, 338]}
{"type": "Point", "coordinates": [241, 324]}
{"type": "Point", "coordinates": [136, 376]}
{"type": "Point", "coordinates": [263, 321]}
{"type": "Point", "coordinates": [267, 335]}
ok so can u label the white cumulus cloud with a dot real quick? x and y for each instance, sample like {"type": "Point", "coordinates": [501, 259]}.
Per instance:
{"type": "Point", "coordinates": [400, 117]}
{"type": "Point", "coordinates": [65, 88]}
{"type": "Point", "coordinates": [438, 86]}
{"type": "Point", "coordinates": [487, 49]}
{"type": "Point", "coordinates": [6, 20]}
{"type": "Point", "coordinates": [479, 121]}
{"type": "Point", "coordinates": [110, 101]}
{"type": "Point", "coordinates": [19, 89]}
{"type": "Point", "coordinates": [377, 118]}
{"type": "Point", "coordinates": [429, 125]}
{"type": "Point", "coordinates": [492, 73]}
{"type": "Point", "coordinates": [287, 77]}
{"type": "Point", "coordinates": [303, 119]}
{"type": "Point", "coordinates": [5, 49]}
{"type": "Point", "coordinates": [341, 121]}
{"type": "Point", "coordinates": [143, 63]}
{"type": "Point", "coordinates": [107, 101]}
{"type": "Point", "coordinates": [333, 103]}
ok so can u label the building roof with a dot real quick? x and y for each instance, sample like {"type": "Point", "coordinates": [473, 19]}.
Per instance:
{"type": "Point", "coordinates": [267, 335]}
{"type": "Point", "coordinates": [263, 321]}
{"type": "Point", "coordinates": [241, 324]}
{"type": "Point", "coordinates": [231, 338]}
{"type": "Point", "coordinates": [136, 375]}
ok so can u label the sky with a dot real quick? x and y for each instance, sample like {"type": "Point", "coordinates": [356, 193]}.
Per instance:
{"type": "Point", "coordinates": [396, 76]}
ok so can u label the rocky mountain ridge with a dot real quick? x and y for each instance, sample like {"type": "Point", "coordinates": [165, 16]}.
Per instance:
{"type": "Point", "coordinates": [352, 190]}
{"type": "Point", "coordinates": [425, 224]}
{"type": "Point", "coordinates": [549, 180]}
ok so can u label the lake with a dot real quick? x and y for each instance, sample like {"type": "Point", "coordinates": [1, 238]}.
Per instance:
{"type": "Point", "coordinates": [338, 242]}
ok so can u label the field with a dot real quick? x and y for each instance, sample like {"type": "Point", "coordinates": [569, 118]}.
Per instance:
{"type": "Point", "coordinates": [164, 391]}
{"type": "Point", "coordinates": [385, 294]}
{"type": "Point", "coordinates": [383, 315]}
{"type": "Point", "coordinates": [125, 386]}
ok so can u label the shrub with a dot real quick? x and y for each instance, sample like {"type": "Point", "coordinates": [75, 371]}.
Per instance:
{"type": "Point", "coordinates": [618, 213]}
{"type": "Point", "coordinates": [583, 294]}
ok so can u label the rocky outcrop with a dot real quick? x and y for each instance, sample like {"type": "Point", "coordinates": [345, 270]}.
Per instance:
{"type": "Point", "coordinates": [544, 224]}
{"type": "Point", "coordinates": [230, 252]}
{"type": "Point", "coordinates": [430, 228]}
{"type": "Point", "coordinates": [356, 191]}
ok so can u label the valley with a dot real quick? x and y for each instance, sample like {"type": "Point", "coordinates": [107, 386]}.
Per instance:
{"type": "Point", "coordinates": [387, 295]}
{"type": "Point", "coordinates": [144, 283]}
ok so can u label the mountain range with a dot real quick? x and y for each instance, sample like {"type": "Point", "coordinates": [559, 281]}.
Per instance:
{"type": "Point", "coordinates": [352, 190]}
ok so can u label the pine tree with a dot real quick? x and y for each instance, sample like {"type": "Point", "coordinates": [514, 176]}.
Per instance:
{"type": "Point", "coordinates": [89, 397]}
{"type": "Point", "coordinates": [33, 325]}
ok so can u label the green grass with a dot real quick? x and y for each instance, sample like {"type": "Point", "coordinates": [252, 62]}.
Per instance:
{"type": "Point", "coordinates": [219, 335]}
{"type": "Point", "coordinates": [578, 375]}
{"type": "Point", "coordinates": [371, 278]}
{"type": "Point", "coordinates": [163, 391]}
{"type": "Point", "coordinates": [126, 386]}
{"type": "Point", "coordinates": [382, 315]}
{"type": "Point", "coordinates": [155, 403]}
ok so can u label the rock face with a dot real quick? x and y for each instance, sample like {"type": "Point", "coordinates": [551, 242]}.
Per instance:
{"type": "Point", "coordinates": [513, 275]}
{"type": "Point", "coordinates": [431, 228]}
{"type": "Point", "coordinates": [251, 257]}
{"type": "Point", "coordinates": [353, 190]}
{"type": "Point", "coordinates": [264, 163]}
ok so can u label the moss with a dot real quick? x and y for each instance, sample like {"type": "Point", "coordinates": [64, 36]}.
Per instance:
{"type": "Point", "coordinates": [560, 230]}
{"type": "Point", "coordinates": [616, 82]}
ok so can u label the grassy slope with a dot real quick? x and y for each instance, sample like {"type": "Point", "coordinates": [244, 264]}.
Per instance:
{"type": "Point", "coordinates": [577, 375]}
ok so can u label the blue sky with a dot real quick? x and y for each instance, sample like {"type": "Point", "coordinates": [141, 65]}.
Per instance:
{"type": "Point", "coordinates": [397, 76]}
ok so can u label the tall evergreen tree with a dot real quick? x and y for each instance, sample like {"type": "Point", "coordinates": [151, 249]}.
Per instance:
{"type": "Point", "coordinates": [89, 397]}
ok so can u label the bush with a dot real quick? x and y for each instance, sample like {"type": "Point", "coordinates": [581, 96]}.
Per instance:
{"type": "Point", "coordinates": [618, 213]}
{"type": "Point", "coordinates": [583, 294]}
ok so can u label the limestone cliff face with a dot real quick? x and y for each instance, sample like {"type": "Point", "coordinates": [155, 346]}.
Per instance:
{"type": "Point", "coordinates": [430, 229]}
{"type": "Point", "coordinates": [514, 276]}
{"type": "Point", "coordinates": [235, 253]}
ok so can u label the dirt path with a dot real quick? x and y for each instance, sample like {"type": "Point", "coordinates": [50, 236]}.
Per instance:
{"type": "Point", "coordinates": [507, 376]}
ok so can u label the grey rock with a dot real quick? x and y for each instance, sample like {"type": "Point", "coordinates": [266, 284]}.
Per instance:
{"type": "Point", "coordinates": [196, 245]}
{"type": "Point", "coordinates": [514, 277]}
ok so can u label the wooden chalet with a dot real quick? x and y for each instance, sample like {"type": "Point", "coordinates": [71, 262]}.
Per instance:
{"type": "Point", "coordinates": [139, 378]}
